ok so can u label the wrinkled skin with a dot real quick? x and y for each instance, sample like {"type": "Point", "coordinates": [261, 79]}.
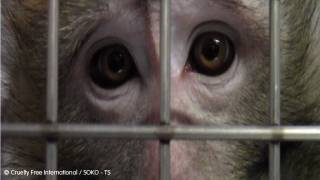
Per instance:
{"type": "Point", "coordinates": [237, 97]}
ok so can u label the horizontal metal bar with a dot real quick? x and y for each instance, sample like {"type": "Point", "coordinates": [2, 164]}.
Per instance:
{"type": "Point", "coordinates": [181, 132]}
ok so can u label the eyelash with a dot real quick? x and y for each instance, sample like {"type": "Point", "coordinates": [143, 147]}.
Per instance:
{"type": "Point", "coordinates": [213, 26]}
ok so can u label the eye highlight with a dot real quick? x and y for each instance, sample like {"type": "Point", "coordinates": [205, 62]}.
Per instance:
{"type": "Point", "coordinates": [212, 54]}
{"type": "Point", "coordinates": [112, 66]}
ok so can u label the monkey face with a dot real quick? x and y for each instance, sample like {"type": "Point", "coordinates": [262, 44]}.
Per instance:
{"type": "Point", "coordinates": [109, 73]}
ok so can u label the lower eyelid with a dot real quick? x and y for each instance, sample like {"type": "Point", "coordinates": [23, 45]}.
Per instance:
{"type": "Point", "coordinates": [111, 94]}
{"type": "Point", "coordinates": [220, 80]}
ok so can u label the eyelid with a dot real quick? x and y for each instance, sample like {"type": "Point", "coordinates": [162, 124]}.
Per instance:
{"type": "Point", "coordinates": [108, 41]}
{"type": "Point", "coordinates": [103, 43]}
{"type": "Point", "coordinates": [214, 26]}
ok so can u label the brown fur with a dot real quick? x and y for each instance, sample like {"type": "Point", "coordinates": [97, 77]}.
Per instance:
{"type": "Point", "coordinates": [24, 56]}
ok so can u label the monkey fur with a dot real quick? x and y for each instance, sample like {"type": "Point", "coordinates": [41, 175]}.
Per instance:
{"type": "Point", "coordinates": [24, 54]}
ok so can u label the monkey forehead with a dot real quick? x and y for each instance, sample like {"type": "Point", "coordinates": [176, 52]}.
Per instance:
{"type": "Point", "coordinates": [190, 7]}
{"type": "Point", "coordinates": [190, 13]}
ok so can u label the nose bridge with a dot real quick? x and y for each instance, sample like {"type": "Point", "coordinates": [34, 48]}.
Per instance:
{"type": "Point", "coordinates": [178, 92]}
{"type": "Point", "coordinates": [154, 19]}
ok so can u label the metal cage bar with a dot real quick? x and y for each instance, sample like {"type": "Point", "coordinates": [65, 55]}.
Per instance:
{"type": "Point", "coordinates": [52, 83]}
{"type": "Point", "coordinates": [165, 89]}
{"type": "Point", "coordinates": [274, 133]}
{"type": "Point", "coordinates": [274, 147]}
{"type": "Point", "coordinates": [181, 132]}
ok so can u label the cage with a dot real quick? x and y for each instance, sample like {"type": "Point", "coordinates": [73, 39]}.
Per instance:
{"type": "Point", "coordinates": [164, 132]}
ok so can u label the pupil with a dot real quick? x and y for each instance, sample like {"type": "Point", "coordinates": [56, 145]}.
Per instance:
{"type": "Point", "coordinates": [116, 62]}
{"type": "Point", "coordinates": [210, 49]}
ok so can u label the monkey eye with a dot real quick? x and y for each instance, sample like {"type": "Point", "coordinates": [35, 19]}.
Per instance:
{"type": "Point", "coordinates": [212, 54]}
{"type": "Point", "coordinates": [112, 66]}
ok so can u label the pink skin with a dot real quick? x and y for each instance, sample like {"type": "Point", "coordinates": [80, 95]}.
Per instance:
{"type": "Point", "coordinates": [195, 98]}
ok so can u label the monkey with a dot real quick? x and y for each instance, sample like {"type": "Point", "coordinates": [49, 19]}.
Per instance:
{"type": "Point", "coordinates": [109, 66]}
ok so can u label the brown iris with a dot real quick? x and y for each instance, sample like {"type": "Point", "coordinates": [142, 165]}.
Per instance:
{"type": "Point", "coordinates": [111, 66]}
{"type": "Point", "coordinates": [212, 54]}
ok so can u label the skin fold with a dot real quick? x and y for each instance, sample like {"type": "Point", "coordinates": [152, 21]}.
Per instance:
{"type": "Point", "coordinates": [239, 96]}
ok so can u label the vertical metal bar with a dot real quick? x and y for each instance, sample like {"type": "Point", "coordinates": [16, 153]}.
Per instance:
{"type": "Point", "coordinates": [165, 62]}
{"type": "Point", "coordinates": [51, 159]}
{"type": "Point", "coordinates": [274, 161]}
{"type": "Point", "coordinates": [274, 147]}
{"type": "Point", "coordinates": [164, 160]}
{"type": "Point", "coordinates": [52, 77]}
{"type": "Point", "coordinates": [165, 90]}
{"type": "Point", "coordinates": [52, 82]}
